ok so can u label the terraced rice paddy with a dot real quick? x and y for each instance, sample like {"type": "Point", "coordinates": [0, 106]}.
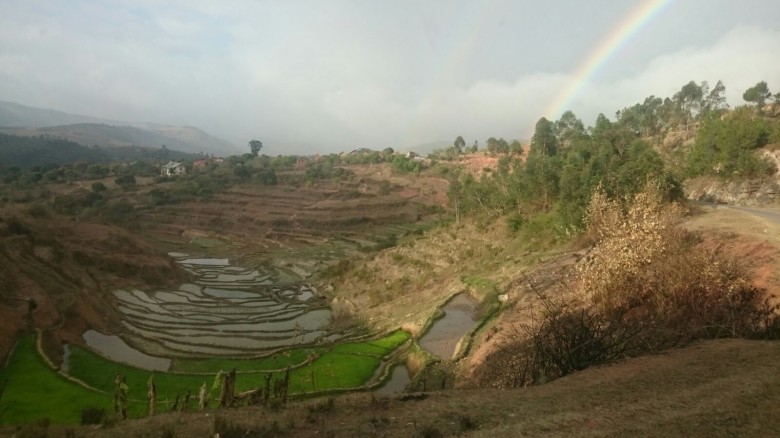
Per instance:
{"type": "Point", "coordinates": [227, 311]}
{"type": "Point", "coordinates": [33, 391]}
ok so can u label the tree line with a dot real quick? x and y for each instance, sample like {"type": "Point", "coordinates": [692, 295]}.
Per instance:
{"type": "Point", "coordinates": [567, 161]}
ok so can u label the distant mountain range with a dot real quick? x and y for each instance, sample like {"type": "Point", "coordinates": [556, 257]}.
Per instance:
{"type": "Point", "coordinates": [22, 120]}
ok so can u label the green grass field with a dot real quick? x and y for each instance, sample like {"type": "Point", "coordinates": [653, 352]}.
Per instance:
{"type": "Point", "coordinates": [277, 361]}
{"type": "Point", "coordinates": [34, 391]}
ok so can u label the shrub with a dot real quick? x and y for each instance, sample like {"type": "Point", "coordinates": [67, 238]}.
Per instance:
{"type": "Point", "coordinates": [514, 221]}
{"type": "Point", "coordinates": [648, 284]}
{"type": "Point", "coordinates": [38, 211]}
{"type": "Point", "coordinates": [646, 264]}
{"type": "Point", "coordinates": [92, 415]}
{"type": "Point", "coordinates": [15, 226]}
{"type": "Point", "coordinates": [626, 242]}
{"type": "Point", "coordinates": [125, 181]}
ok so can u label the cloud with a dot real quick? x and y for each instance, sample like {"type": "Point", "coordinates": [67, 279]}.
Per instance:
{"type": "Point", "coordinates": [336, 77]}
{"type": "Point", "coordinates": [741, 58]}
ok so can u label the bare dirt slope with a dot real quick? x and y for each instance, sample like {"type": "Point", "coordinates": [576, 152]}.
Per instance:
{"type": "Point", "coordinates": [68, 268]}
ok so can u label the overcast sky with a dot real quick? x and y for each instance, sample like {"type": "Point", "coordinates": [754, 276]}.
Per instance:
{"type": "Point", "coordinates": [315, 76]}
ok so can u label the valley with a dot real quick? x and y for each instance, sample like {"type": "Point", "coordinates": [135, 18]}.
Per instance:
{"type": "Point", "coordinates": [383, 293]}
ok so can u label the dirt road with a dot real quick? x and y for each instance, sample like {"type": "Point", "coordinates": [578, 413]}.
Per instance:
{"type": "Point", "coordinates": [770, 214]}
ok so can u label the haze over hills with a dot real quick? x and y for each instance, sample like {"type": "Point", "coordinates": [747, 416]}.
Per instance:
{"type": "Point", "coordinates": [17, 119]}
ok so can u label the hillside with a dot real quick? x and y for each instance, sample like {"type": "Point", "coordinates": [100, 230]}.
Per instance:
{"type": "Point", "coordinates": [17, 115]}
{"type": "Point", "coordinates": [30, 151]}
{"type": "Point", "coordinates": [83, 258]}
{"type": "Point", "coordinates": [23, 120]}
{"type": "Point", "coordinates": [69, 269]}
{"type": "Point", "coordinates": [572, 253]}
{"type": "Point", "coordinates": [709, 388]}
{"type": "Point", "coordinates": [715, 388]}
{"type": "Point", "coordinates": [302, 227]}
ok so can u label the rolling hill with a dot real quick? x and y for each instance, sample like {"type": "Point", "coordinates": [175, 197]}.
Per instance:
{"type": "Point", "coordinates": [22, 120]}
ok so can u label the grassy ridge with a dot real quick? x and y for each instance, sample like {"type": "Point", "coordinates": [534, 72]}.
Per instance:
{"type": "Point", "coordinates": [290, 357]}
{"type": "Point", "coordinates": [35, 391]}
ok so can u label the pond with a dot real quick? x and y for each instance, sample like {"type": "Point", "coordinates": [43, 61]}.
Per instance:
{"type": "Point", "coordinates": [397, 382]}
{"type": "Point", "coordinates": [445, 334]}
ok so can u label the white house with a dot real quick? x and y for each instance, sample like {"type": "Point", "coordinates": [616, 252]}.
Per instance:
{"type": "Point", "coordinates": [173, 168]}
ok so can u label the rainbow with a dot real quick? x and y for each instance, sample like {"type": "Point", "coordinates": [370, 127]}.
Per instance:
{"type": "Point", "coordinates": [642, 14]}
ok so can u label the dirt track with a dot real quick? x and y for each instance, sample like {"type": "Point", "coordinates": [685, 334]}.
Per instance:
{"type": "Point", "coordinates": [751, 234]}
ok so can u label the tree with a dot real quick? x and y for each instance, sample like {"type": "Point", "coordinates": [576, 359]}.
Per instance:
{"type": "Point", "coordinates": [492, 145]}
{"type": "Point", "coordinates": [568, 129]}
{"type": "Point", "coordinates": [544, 140]}
{"type": "Point", "coordinates": [459, 144]}
{"type": "Point", "coordinates": [255, 146]}
{"type": "Point", "coordinates": [757, 94]}
{"type": "Point", "coordinates": [242, 172]}
{"type": "Point", "coordinates": [516, 147]}
{"type": "Point", "coordinates": [690, 101]}
{"type": "Point", "coordinates": [98, 187]}
{"type": "Point", "coordinates": [716, 100]}
{"type": "Point", "coordinates": [125, 181]}
{"type": "Point", "coordinates": [724, 146]}
{"type": "Point", "coordinates": [499, 146]}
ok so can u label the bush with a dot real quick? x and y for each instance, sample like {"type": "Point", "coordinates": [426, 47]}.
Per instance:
{"type": "Point", "coordinates": [647, 285]}
{"type": "Point", "coordinates": [514, 222]}
{"type": "Point", "coordinates": [125, 181]}
{"type": "Point", "coordinates": [38, 211]}
{"type": "Point", "coordinates": [120, 212]}
{"type": "Point", "coordinates": [92, 415]}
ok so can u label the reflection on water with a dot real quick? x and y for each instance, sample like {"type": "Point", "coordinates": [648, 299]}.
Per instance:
{"type": "Point", "coordinates": [234, 309]}
{"type": "Point", "coordinates": [444, 335]}
{"type": "Point", "coordinates": [209, 262]}
{"type": "Point", "coordinates": [114, 348]}
{"type": "Point", "coordinates": [397, 383]}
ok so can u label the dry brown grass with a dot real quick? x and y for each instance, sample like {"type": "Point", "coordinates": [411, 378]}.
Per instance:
{"type": "Point", "coordinates": [647, 284]}
{"type": "Point", "coordinates": [650, 270]}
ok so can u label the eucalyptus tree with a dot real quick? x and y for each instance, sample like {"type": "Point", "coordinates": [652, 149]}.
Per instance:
{"type": "Point", "coordinates": [544, 140]}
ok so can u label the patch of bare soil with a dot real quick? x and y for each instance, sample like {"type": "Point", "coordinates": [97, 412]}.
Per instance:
{"type": "Point", "coordinates": [478, 163]}
{"type": "Point", "coordinates": [713, 388]}
{"type": "Point", "coordinates": [753, 239]}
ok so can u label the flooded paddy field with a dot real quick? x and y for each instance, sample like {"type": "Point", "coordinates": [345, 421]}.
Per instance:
{"type": "Point", "coordinates": [446, 333]}
{"type": "Point", "coordinates": [226, 311]}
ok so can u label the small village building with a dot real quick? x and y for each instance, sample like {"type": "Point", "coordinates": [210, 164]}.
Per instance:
{"type": "Point", "coordinates": [173, 168]}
